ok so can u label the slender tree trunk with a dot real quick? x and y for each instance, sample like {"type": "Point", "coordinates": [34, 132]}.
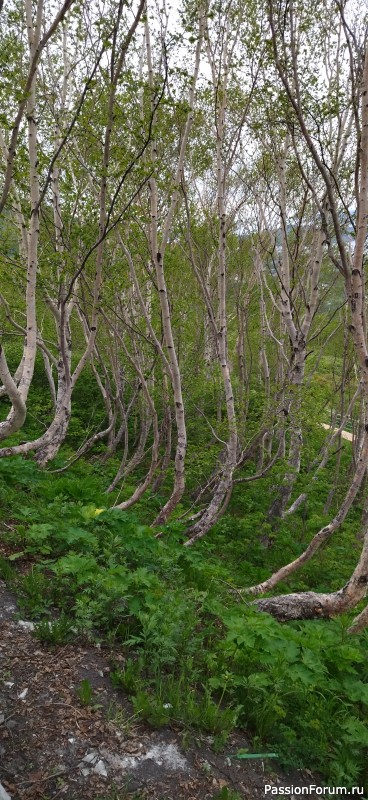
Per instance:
{"type": "Point", "coordinates": [157, 256]}
{"type": "Point", "coordinates": [324, 534]}
{"type": "Point", "coordinates": [223, 489]}
{"type": "Point", "coordinates": [166, 434]}
{"type": "Point", "coordinates": [17, 413]}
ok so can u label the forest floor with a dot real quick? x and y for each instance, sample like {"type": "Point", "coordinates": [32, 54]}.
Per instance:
{"type": "Point", "coordinates": [53, 746]}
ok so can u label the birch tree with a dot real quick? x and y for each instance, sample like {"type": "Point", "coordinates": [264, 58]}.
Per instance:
{"type": "Point", "coordinates": [17, 390]}
{"type": "Point", "coordinates": [121, 34]}
{"type": "Point", "coordinates": [351, 267]}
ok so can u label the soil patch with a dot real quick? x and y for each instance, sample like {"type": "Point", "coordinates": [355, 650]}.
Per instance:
{"type": "Point", "coordinates": [51, 745]}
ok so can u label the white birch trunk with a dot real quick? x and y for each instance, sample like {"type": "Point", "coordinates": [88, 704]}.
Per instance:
{"type": "Point", "coordinates": [157, 256]}
{"type": "Point", "coordinates": [223, 489]}
{"type": "Point", "coordinates": [17, 414]}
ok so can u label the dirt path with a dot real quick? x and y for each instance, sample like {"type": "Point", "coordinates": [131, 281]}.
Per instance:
{"type": "Point", "coordinates": [51, 746]}
{"type": "Point", "coordinates": [344, 434]}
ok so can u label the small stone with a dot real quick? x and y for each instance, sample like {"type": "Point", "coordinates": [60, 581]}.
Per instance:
{"type": "Point", "coordinates": [3, 794]}
{"type": "Point", "coordinates": [2, 718]}
{"type": "Point", "coordinates": [26, 625]}
{"type": "Point", "coordinates": [23, 695]}
{"type": "Point", "coordinates": [85, 773]}
{"type": "Point", "coordinates": [9, 684]}
{"type": "Point", "coordinates": [90, 758]}
{"type": "Point", "coordinates": [100, 769]}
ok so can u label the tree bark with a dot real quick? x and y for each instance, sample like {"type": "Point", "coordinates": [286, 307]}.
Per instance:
{"type": "Point", "coordinates": [314, 605]}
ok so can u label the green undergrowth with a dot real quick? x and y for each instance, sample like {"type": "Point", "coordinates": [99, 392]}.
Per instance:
{"type": "Point", "coordinates": [193, 655]}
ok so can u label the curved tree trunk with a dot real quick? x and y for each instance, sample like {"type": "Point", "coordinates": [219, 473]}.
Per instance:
{"type": "Point", "coordinates": [324, 534]}
{"type": "Point", "coordinates": [56, 433]}
{"type": "Point", "coordinates": [315, 605]}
